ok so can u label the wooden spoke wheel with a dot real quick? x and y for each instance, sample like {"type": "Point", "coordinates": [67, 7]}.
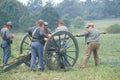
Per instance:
{"type": "Point", "coordinates": [25, 46]}
{"type": "Point", "coordinates": [61, 50]}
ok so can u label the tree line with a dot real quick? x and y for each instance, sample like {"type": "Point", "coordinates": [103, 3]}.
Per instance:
{"type": "Point", "coordinates": [73, 12]}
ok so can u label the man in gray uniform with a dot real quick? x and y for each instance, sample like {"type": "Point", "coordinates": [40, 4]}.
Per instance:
{"type": "Point", "coordinates": [6, 42]}
{"type": "Point", "coordinates": [61, 27]}
{"type": "Point", "coordinates": [92, 41]}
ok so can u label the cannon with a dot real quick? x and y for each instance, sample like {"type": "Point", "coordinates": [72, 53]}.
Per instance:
{"type": "Point", "coordinates": [60, 51]}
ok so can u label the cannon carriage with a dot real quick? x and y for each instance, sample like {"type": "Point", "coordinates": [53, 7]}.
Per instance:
{"type": "Point", "coordinates": [60, 51]}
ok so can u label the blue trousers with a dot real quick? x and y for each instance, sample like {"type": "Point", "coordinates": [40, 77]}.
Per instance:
{"type": "Point", "coordinates": [37, 50]}
{"type": "Point", "coordinates": [6, 51]}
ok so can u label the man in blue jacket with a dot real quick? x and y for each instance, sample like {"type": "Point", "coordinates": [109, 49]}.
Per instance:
{"type": "Point", "coordinates": [37, 44]}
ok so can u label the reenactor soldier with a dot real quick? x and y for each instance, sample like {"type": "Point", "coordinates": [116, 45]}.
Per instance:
{"type": "Point", "coordinates": [61, 27]}
{"type": "Point", "coordinates": [38, 36]}
{"type": "Point", "coordinates": [6, 42]}
{"type": "Point", "coordinates": [92, 41]}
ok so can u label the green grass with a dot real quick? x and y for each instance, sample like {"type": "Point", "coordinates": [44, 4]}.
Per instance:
{"type": "Point", "coordinates": [109, 68]}
{"type": "Point", "coordinates": [99, 24]}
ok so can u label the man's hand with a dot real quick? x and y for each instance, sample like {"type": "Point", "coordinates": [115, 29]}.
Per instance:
{"type": "Point", "coordinates": [49, 35]}
{"type": "Point", "coordinates": [12, 35]}
{"type": "Point", "coordinates": [78, 35]}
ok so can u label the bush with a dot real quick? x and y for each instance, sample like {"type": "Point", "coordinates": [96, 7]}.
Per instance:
{"type": "Point", "coordinates": [114, 29]}
{"type": "Point", "coordinates": [78, 22]}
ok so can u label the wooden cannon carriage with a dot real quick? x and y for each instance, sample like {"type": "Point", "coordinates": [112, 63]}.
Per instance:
{"type": "Point", "coordinates": [61, 44]}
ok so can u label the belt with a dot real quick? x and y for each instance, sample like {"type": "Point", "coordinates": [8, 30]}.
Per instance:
{"type": "Point", "coordinates": [88, 43]}
{"type": "Point", "coordinates": [91, 42]}
{"type": "Point", "coordinates": [36, 41]}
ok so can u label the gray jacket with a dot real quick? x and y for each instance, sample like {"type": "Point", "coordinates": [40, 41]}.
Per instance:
{"type": "Point", "coordinates": [91, 35]}
{"type": "Point", "coordinates": [61, 28]}
{"type": "Point", "coordinates": [5, 34]}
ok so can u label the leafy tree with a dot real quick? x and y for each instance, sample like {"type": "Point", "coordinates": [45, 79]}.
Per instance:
{"type": "Point", "coordinates": [11, 10]}
{"type": "Point", "coordinates": [108, 8]}
{"type": "Point", "coordinates": [50, 15]}
{"type": "Point", "coordinates": [49, 3]}
{"type": "Point", "coordinates": [116, 8]}
{"type": "Point", "coordinates": [68, 10]}
{"type": "Point", "coordinates": [70, 7]}
{"type": "Point", "coordinates": [90, 9]}
{"type": "Point", "coordinates": [66, 20]}
{"type": "Point", "coordinates": [35, 5]}
{"type": "Point", "coordinates": [3, 20]}
{"type": "Point", "coordinates": [29, 20]}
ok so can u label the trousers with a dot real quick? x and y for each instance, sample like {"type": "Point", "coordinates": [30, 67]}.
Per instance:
{"type": "Point", "coordinates": [6, 51]}
{"type": "Point", "coordinates": [91, 47]}
{"type": "Point", "coordinates": [37, 51]}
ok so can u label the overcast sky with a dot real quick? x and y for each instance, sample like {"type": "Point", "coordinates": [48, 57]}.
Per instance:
{"type": "Point", "coordinates": [55, 1]}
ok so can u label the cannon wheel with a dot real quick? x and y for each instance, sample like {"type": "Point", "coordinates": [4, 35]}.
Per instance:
{"type": "Point", "coordinates": [25, 46]}
{"type": "Point", "coordinates": [61, 50]}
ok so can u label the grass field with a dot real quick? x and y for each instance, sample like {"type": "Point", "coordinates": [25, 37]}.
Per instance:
{"type": "Point", "coordinates": [100, 24]}
{"type": "Point", "coordinates": [109, 68]}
